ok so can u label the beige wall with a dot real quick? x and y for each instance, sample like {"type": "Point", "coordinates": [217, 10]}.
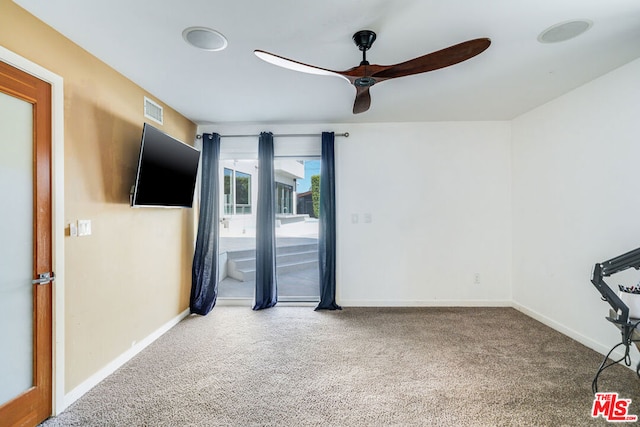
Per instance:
{"type": "Point", "coordinates": [132, 275]}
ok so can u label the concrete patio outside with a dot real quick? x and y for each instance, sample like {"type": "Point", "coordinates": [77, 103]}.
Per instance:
{"type": "Point", "coordinates": [299, 285]}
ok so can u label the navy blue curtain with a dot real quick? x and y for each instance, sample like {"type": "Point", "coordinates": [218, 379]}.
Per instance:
{"type": "Point", "coordinates": [266, 293]}
{"type": "Point", "coordinates": [204, 270]}
{"type": "Point", "coordinates": [327, 237]}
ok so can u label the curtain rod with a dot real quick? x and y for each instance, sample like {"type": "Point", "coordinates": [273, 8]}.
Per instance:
{"type": "Point", "coordinates": [345, 134]}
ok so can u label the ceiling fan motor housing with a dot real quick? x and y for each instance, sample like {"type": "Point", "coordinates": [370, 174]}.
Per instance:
{"type": "Point", "coordinates": [364, 39]}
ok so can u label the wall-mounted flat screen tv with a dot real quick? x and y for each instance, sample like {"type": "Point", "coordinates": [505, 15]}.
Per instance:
{"type": "Point", "coordinates": [167, 170]}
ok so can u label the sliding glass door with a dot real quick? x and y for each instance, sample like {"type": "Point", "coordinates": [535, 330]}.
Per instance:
{"type": "Point", "coordinates": [296, 188]}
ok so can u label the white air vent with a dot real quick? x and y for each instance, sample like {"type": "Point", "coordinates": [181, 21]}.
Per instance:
{"type": "Point", "coordinates": [153, 111]}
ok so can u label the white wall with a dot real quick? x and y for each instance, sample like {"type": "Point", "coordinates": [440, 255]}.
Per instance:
{"type": "Point", "coordinates": [438, 195]}
{"type": "Point", "coordinates": [576, 201]}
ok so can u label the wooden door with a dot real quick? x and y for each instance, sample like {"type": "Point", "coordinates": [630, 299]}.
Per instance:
{"type": "Point", "coordinates": [25, 249]}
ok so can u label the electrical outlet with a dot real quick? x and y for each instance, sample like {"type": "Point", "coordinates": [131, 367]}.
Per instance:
{"type": "Point", "coordinates": [476, 278]}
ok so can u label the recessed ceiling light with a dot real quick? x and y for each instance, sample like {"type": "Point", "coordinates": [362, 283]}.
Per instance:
{"type": "Point", "coordinates": [204, 38]}
{"type": "Point", "coordinates": [564, 31]}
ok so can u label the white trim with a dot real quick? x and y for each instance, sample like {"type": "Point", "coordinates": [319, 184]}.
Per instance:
{"type": "Point", "coordinates": [593, 345]}
{"type": "Point", "coordinates": [57, 185]}
{"type": "Point", "coordinates": [111, 367]}
{"type": "Point", "coordinates": [374, 303]}
{"type": "Point", "coordinates": [424, 303]}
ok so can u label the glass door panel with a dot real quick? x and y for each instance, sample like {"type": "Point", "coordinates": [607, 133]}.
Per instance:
{"type": "Point", "coordinates": [297, 229]}
{"type": "Point", "coordinates": [16, 250]}
{"type": "Point", "coordinates": [237, 244]}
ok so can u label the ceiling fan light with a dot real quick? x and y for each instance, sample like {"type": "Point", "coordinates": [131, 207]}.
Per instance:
{"type": "Point", "coordinates": [205, 38]}
{"type": "Point", "coordinates": [564, 31]}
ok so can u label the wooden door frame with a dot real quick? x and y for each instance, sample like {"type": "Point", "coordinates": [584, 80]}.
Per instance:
{"type": "Point", "coordinates": [57, 214]}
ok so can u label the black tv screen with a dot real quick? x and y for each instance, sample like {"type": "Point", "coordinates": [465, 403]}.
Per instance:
{"type": "Point", "coordinates": [167, 170]}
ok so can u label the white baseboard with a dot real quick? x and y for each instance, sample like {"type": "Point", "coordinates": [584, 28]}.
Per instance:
{"type": "Point", "coordinates": [594, 345]}
{"type": "Point", "coordinates": [110, 368]}
{"type": "Point", "coordinates": [424, 303]}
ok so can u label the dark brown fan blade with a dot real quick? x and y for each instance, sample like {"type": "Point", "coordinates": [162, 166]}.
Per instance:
{"type": "Point", "coordinates": [363, 100]}
{"type": "Point", "coordinates": [435, 60]}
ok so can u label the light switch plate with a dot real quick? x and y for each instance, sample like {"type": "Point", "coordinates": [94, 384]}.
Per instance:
{"type": "Point", "coordinates": [84, 227]}
{"type": "Point", "coordinates": [73, 229]}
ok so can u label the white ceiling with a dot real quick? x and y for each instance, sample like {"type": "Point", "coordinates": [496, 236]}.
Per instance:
{"type": "Point", "coordinates": [142, 39]}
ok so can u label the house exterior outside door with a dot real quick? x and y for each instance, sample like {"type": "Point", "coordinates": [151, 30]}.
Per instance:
{"type": "Point", "coordinates": [25, 249]}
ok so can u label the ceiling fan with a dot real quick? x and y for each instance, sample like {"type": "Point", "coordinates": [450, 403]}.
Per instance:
{"type": "Point", "coordinates": [366, 75]}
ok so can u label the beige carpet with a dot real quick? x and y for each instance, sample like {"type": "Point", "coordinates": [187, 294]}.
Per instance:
{"type": "Point", "coordinates": [291, 366]}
